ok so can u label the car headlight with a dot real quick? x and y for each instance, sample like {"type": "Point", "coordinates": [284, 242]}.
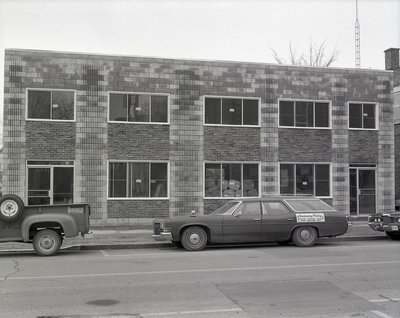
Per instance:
{"type": "Point", "coordinates": [398, 220]}
{"type": "Point", "coordinates": [378, 220]}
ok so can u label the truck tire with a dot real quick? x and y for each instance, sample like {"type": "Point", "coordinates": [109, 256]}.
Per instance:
{"type": "Point", "coordinates": [11, 207]}
{"type": "Point", "coordinates": [47, 242]}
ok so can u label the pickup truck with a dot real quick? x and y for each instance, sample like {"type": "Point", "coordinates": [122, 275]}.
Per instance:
{"type": "Point", "coordinates": [45, 226]}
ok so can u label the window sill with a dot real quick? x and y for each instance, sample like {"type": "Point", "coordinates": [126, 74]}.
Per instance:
{"type": "Point", "coordinates": [295, 127]}
{"type": "Point", "coordinates": [137, 123]}
{"type": "Point", "coordinates": [238, 126]}
{"type": "Point", "coordinates": [52, 120]}
{"type": "Point", "coordinates": [138, 199]}
{"type": "Point", "coordinates": [365, 129]}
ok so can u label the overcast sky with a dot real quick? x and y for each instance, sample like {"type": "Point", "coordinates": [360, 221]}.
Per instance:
{"type": "Point", "coordinates": [234, 30]}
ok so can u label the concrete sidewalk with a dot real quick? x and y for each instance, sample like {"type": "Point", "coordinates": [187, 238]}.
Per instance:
{"type": "Point", "coordinates": [134, 237]}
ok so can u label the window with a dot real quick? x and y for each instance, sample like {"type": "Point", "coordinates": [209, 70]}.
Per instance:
{"type": "Point", "coordinates": [305, 179]}
{"type": "Point", "coordinates": [231, 111]}
{"type": "Point", "coordinates": [50, 182]}
{"type": "Point", "coordinates": [309, 205]}
{"type": "Point", "coordinates": [362, 116]}
{"type": "Point", "coordinates": [248, 208]}
{"type": "Point", "coordinates": [138, 108]}
{"type": "Point", "coordinates": [231, 180]}
{"type": "Point", "coordinates": [304, 114]}
{"type": "Point", "coordinates": [51, 104]}
{"type": "Point", "coordinates": [275, 208]}
{"type": "Point", "coordinates": [138, 180]}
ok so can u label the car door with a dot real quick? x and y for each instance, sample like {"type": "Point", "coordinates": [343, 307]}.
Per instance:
{"type": "Point", "coordinates": [244, 225]}
{"type": "Point", "coordinates": [277, 221]}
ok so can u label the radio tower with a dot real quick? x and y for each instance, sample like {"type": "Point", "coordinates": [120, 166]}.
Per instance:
{"type": "Point", "coordinates": [357, 34]}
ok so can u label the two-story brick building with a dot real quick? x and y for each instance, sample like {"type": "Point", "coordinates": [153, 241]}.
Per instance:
{"type": "Point", "coordinates": [140, 137]}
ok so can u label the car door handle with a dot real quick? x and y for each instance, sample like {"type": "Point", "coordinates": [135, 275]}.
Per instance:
{"type": "Point", "coordinates": [290, 219]}
{"type": "Point", "coordinates": [257, 220]}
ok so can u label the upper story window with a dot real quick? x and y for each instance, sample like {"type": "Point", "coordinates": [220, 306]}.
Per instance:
{"type": "Point", "coordinates": [231, 111]}
{"type": "Point", "coordinates": [363, 116]}
{"type": "Point", "coordinates": [142, 108]}
{"type": "Point", "coordinates": [51, 104]}
{"type": "Point", "coordinates": [311, 114]}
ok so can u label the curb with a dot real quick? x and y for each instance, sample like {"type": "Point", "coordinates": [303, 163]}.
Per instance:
{"type": "Point", "coordinates": [144, 245]}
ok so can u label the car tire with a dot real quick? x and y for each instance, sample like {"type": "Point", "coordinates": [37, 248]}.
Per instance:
{"type": "Point", "coordinates": [47, 242]}
{"type": "Point", "coordinates": [194, 238]}
{"type": "Point", "coordinates": [393, 236]}
{"type": "Point", "coordinates": [11, 207]}
{"type": "Point", "coordinates": [304, 236]}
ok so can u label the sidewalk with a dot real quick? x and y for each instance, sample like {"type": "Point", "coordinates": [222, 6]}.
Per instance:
{"type": "Point", "coordinates": [126, 237]}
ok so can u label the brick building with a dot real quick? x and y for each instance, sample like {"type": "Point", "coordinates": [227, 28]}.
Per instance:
{"type": "Point", "coordinates": [140, 137]}
{"type": "Point", "coordinates": [392, 63]}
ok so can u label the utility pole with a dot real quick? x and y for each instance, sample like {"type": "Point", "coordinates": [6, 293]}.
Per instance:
{"type": "Point", "coordinates": [357, 38]}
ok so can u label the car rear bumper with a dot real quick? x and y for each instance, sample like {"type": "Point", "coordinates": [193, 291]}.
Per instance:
{"type": "Point", "coordinates": [163, 236]}
{"type": "Point", "coordinates": [391, 227]}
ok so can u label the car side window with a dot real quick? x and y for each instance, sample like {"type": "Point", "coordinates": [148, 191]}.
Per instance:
{"type": "Point", "coordinates": [275, 208]}
{"type": "Point", "coordinates": [248, 208]}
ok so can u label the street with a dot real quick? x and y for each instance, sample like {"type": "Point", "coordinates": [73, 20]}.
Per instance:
{"type": "Point", "coordinates": [331, 279]}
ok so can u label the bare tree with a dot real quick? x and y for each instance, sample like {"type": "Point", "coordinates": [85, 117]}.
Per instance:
{"type": "Point", "coordinates": [316, 56]}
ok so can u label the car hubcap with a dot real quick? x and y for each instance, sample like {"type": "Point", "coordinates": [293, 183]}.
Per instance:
{"type": "Point", "coordinates": [9, 208]}
{"type": "Point", "coordinates": [47, 243]}
{"type": "Point", "coordinates": [305, 235]}
{"type": "Point", "coordinates": [194, 238]}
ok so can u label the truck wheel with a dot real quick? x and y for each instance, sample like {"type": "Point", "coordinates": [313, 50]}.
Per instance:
{"type": "Point", "coordinates": [47, 242]}
{"type": "Point", "coordinates": [194, 238]}
{"type": "Point", "coordinates": [304, 236]}
{"type": "Point", "coordinates": [11, 207]}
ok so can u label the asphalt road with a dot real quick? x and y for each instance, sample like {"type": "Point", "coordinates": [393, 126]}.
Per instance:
{"type": "Point", "coordinates": [335, 279]}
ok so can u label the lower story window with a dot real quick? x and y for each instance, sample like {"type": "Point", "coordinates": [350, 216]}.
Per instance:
{"type": "Point", "coordinates": [300, 179]}
{"type": "Point", "coordinates": [231, 180]}
{"type": "Point", "coordinates": [50, 182]}
{"type": "Point", "coordinates": [138, 180]}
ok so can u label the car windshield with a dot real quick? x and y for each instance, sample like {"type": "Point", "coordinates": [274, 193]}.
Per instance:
{"type": "Point", "coordinates": [226, 209]}
{"type": "Point", "coordinates": [304, 205]}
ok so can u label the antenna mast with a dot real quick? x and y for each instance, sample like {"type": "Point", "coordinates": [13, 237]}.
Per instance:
{"type": "Point", "coordinates": [357, 38]}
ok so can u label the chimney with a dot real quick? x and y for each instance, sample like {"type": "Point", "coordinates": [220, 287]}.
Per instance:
{"type": "Point", "coordinates": [392, 59]}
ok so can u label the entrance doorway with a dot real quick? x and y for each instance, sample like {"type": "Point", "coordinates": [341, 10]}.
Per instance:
{"type": "Point", "coordinates": [50, 183]}
{"type": "Point", "coordinates": [362, 190]}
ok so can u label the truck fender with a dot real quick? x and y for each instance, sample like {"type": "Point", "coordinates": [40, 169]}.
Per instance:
{"type": "Point", "coordinates": [66, 221]}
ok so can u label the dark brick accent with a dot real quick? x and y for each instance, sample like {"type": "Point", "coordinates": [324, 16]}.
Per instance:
{"type": "Point", "coordinates": [138, 142]}
{"type": "Point", "coordinates": [300, 145]}
{"type": "Point", "coordinates": [363, 146]}
{"type": "Point", "coordinates": [231, 144]}
{"type": "Point", "coordinates": [50, 140]}
{"type": "Point", "coordinates": [138, 209]}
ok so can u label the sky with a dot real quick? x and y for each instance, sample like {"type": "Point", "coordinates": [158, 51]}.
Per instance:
{"type": "Point", "coordinates": [232, 30]}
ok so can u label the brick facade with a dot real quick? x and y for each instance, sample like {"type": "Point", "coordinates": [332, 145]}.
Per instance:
{"type": "Point", "coordinates": [185, 142]}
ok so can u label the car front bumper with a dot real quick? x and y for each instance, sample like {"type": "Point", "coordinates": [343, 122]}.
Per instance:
{"type": "Point", "coordinates": [391, 227]}
{"type": "Point", "coordinates": [163, 236]}
{"type": "Point", "coordinates": [376, 226]}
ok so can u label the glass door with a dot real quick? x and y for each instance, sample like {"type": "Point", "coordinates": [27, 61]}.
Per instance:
{"type": "Point", "coordinates": [50, 185]}
{"type": "Point", "coordinates": [362, 191]}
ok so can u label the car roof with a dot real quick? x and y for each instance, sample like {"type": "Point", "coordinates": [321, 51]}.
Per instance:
{"type": "Point", "coordinates": [279, 197]}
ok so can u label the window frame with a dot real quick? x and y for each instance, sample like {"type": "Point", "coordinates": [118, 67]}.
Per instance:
{"type": "Point", "coordinates": [139, 122]}
{"type": "Point", "coordinates": [362, 105]}
{"type": "Point", "coordinates": [330, 196]}
{"type": "Point", "coordinates": [258, 99]}
{"type": "Point", "coordinates": [127, 185]}
{"type": "Point", "coordinates": [314, 101]}
{"type": "Point", "coordinates": [51, 90]}
{"type": "Point", "coordinates": [241, 172]}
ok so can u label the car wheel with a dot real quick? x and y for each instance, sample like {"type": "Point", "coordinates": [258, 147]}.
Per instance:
{"type": "Point", "coordinates": [47, 242]}
{"type": "Point", "coordinates": [11, 207]}
{"type": "Point", "coordinates": [393, 236]}
{"type": "Point", "coordinates": [194, 238]}
{"type": "Point", "coordinates": [304, 236]}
